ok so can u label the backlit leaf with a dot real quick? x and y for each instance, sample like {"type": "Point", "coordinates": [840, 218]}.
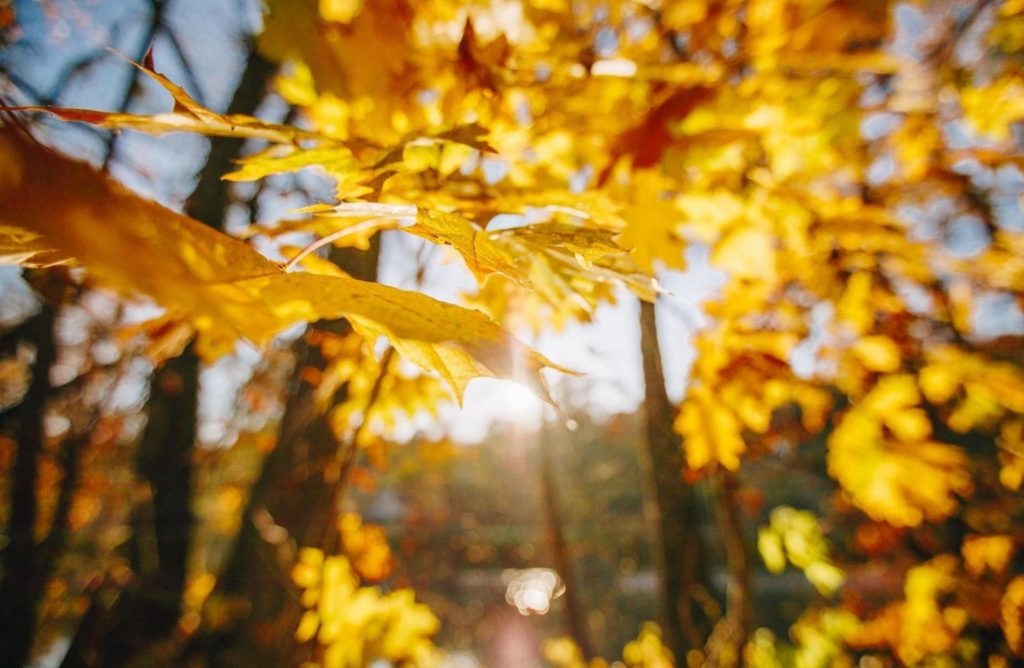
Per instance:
{"type": "Point", "coordinates": [223, 287]}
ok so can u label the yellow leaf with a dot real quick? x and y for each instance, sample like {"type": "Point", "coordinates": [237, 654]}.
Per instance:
{"type": "Point", "coordinates": [939, 382]}
{"type": "Point", "coordinates": [769, 545]}
{"type": "Point", "coordinates": [411, 623]}
{"type": "Point", "coordinates": [652, 220]}
{"type": "Point", "coordinates": [855, 306]}
{"type": "Point", "coordinates": [925, 629]}
{"type": "Point", "coordinates": [454, 366]}
{"type": "Point", "coordinates": [225, 288]}
{"type": "Point", "coordinates": [916, 143]}
{"type": "Point", "coordinates": [308, 625]}
{"type": "Point", "coordinates": [893, 401]}
{"type": "Point", "coordinates": [878, 353]}
{"type": "Point", "coordinates": [481, 253]}
{"type": "Point", "coordinates": [747, 253]}
{"type": "Point", "coordinates": [367, 58]}
{"type": "Point", "coordinates": [983, 553]}
{"type": "Point", "coordinates": [567, 266]}
{"type": "Point", "coordinates": [684, 13]}
{"type": "Point", "coordinates": [340, 11]}
{"type": "Point", "coordinates": [281, 159]}
{"type": "Point", "coordinates": [306, 572]}
{"type": "Point", "coordinates": [419, 156]}
{"type": "Point", "coordinates": [1011, 454]}
{"type": "Point", "coordinates": [563, 652]}
{"type": "Point", "coordinates": [711, 432]}
{"type": "Point", "coordinates": [986, 388]}
{"type": "Point", "coordinates": [1011, 614]}
{"type": "Point", "coordinates": [900, 482]}
{"type": "Point", "coordinates": [453, 156]}
{"type": "Point", "coordinates": [1011, 472]}
{"type": "Point", "coordinates": [826, 577]}
{"type": "Point", "coordinates": [921, 625]}
{"type": "Point", "coordinates": [992, 108]}
{"type": "Point", "coordinates": [796, 536]}
{"type": "Point", "coordinates": [352, 224]}
{"type": "Point", "coordinates": [19, 246]}
{"type": "Point", "coordinates": [366, 547]}
{"type": "Point", "coordinates": [187, 116]}
{"type": "Point", "coordinates": [648, 650]}
{"type": "Point", "coordinates": [587, 244]}
{"type": "Point", "coordinates": [358, 624]}
{"type": "Point", "coordinates": [457, 343]}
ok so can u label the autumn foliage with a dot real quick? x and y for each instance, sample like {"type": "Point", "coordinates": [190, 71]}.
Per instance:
{"type": "Point", "coordinates": [851, 171]}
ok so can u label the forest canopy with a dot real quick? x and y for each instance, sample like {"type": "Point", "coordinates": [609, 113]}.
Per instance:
{"type": "Point", "coordinates": [829, 191]}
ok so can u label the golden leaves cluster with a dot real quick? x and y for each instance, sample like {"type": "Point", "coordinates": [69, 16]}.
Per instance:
{"type": "Point", "coordinates": [739, 380]}
{"type": "Point", "coordinates": [824, 168]}
{"type": "Point", "coordinates": [221, 286]}
{"type": "Point", "coordinates": [883, 454]}
{"type": "Point", "coordinates": [795, 537]}
{"type": "Point", "coordinates": [355, 624]}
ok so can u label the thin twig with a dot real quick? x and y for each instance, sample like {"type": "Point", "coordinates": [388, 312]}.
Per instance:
{"type": "Point", "coordinates": [156, 21]}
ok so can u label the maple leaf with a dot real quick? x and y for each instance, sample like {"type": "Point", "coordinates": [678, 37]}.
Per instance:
{"type": "Point", "coordinates": [280, 159]}
{"type": "Point", "coordinates": [992, 109]}
{"type": "Point", "coordinates": [883, 457]}
{"type": "Point", "coordinates": [338, 59]}
{"type": "Point", "coordinates": [481, 253]}
{"type": "Point", "coordinates": [921, 625]}
{"type": "Point", "coordinates": [1011, 615]}
{"type": "Point", "coordinates": [19, 246]}
{"type": "Point", "coordinates": [711, 431]}
{"type": "Point", "coordinates": [558, 261]}
{"type": "Point", "coordinates": [652, 218]}
{"type": "Point", "coordinates": [186, 116]}
{"type": "Point", "coordinates": [225, 288]}
{"type": "Point", "coordinates": [646, 142]}
{"type": "Point", "coordinates": [747, 253]}
{"type": "Point", "coordinates": [796, 536]}
{"type": "Point", "coordinates": [983, 553]}
{"type": "Point", "coordinates": [358, 624]}
{"type": "Point", "coordinates": [738, 382]}
{"type": "Point", "coordinates": [878, 353]}
{"type": "Point", "coordinates": [481, 63]}
{"type": "Point", "coordinates": [366, 547]}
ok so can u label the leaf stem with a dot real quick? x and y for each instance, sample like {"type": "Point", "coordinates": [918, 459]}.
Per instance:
{"type": "Point", "coordinates": [368, 224]}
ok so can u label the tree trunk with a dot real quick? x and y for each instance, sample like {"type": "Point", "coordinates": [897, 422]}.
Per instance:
{"type": "Point", "coordinates": [672, 507]}
{"type": "Point", "coordinates": [148, 612]}
{"type": "Point", "coordinates": [725, 646]}
{"type": "Point", "coordinates": [561, 551]}
{"type": "Point", "coordinates": [286, 509]}
{"type": "Point", "coordinates": [22, 583]}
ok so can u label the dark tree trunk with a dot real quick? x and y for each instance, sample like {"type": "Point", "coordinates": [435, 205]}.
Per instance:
{"type": "Point", "coordinates": [149, 609]}
{"type": "Point", "coordinates": [674, 512]}
{"type": "Point", "coordinates": [148, 612]}
{"type": "Point", "coordinates": [70, 460]}
{"type": "Point", "coordinates": [22, 580]}
{"type": "Point", "coordinates": [290, 505]}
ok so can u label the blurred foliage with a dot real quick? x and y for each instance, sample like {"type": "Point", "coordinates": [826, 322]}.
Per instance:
{"type": "Point", "coordinates": [464, 517]}
{"type": "Point", "coordinates": [358, 624]}
{"type": "Point", "coordinates": [853, 171]}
